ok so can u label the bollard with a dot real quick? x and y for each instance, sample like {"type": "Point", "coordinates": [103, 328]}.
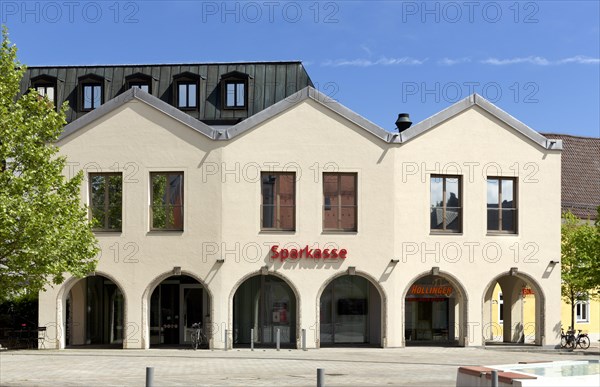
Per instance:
{"type": "Point", "coordinates": [149, 376]}
{"type": "Point", "coordinates": [252, 339]}
{"type": "Point", "coordinates": [304, 339]}
{"type": "Point", "coordinates": [494, 378]}
{"type": "Point", "coordinates": [320, 377]}
{"type": "Point", "coordinates": [278, 339]}
{"type": "Point", "coordinates": [225, 339]}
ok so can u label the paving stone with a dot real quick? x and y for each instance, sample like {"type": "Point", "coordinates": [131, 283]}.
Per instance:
{"type": "Point", "coordinates": [414, 366]}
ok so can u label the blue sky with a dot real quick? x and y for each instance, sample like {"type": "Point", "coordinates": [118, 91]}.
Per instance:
{"type": "Point", "coordinates": [539, 61]}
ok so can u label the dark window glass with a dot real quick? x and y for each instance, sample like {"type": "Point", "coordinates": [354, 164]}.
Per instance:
{"type": "Point", "coordinates": [445, 200]}
{"type": "Point", "coordinates": [501, 204]}
{"type": "Point", "coordinates": [500, 307]}
{"type": "Point", "coordinates": [278, 201]}
{"type": "Point", "coordinates": [339, 201]}
{"type": "Point", "coordinates": [167, 201]}
{"type": "Point", "coordinates": [92, 96]}
{"type": "Point", "coordinates": [106, 196]}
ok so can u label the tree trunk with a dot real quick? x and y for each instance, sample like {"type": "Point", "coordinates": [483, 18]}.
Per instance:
{"type": "Point", "coordinates": [572, 311]}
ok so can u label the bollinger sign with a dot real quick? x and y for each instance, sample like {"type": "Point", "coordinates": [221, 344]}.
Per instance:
{"type": "Point", "coordinates": [306, 252]}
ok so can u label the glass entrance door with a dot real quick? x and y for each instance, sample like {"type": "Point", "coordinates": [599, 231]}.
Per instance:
{"type": "Point", "coordinates": [345, 311]}
{"type": "Point", "coordinates": [191, 310]}
{"type": "Point", "coordinates": [265, 304]}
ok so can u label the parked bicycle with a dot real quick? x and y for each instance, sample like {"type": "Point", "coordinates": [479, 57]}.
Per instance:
{"type": "Point", "coordinates": [571, 340]}
{"type": "Point", "coordinates": [198, 336]}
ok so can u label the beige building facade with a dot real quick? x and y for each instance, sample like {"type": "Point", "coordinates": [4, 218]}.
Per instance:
{"type": "Point", "coordinates": [307, 220]}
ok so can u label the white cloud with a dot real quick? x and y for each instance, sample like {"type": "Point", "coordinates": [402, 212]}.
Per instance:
{"type": "Point", "coordinates": [541, 61]}
{"type": "Point", "coordinates": [366, 49]}
{"type": "Point", "coordinates": [452, 62]}
{"type": "Point", "coordinates": [580, 59]}
{"type": "Point", "coordinates": [368, 62]}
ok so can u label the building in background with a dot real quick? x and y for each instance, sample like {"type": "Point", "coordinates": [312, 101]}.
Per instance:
{"type": "Point", "coordinates": [580, 192]}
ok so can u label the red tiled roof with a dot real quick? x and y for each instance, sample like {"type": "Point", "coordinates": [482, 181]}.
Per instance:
{"type": "Point", "coordinates": [580, 174]}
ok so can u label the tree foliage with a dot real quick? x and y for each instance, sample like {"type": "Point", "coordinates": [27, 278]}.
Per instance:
{"type": "Point", "coordinates": [44, 231]}
{"type": "Point", "coordinates": [580, 260]}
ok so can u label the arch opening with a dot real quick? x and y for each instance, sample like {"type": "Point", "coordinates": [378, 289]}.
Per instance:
{"type": "Point", "coordinates": [94, 313]}
{"type": "Point", "coordinates": [512, 311]}
{"type": "Point", "coordinates": [176, 303]}
{"type": "Point", "coordinates": [350, 313]}
{"type": "Point", "coordinates": [434, 312]}
{"type": "Point", "coordinates": [264, 305]}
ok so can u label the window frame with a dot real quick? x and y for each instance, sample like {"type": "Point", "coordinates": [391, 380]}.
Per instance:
{"type": "Point", "coordinates": [151, 206]}
{"type": "Point", "coordinates": [106, 201]}
{"type": "Point", "coordinates": [515, 190]}
{"type": "Point", "coordinates": [234, 77]}
{"type": "Point", "coordinates": [186, 78]}
{"type": "Point", "coordinates": [139, 79]}
{"type": "Point", "coordinates": [444, 230]}
{"type": "Point", "coordinates": [277, 207]}
{"type": "Point", "coordinates": [339, 206]}
{"type": "Point", "coordinates": [46, 81]}
{"type": "Point", "coordinates": [582, 311]}
{"type": "Point", "coordinates": [140, 83]}
{"type": "Point", "coordinates": [224, 93]}
{"type": "Point", "coordinates": [187, 84]}
{"type": "Point", "coordinates": [89, 80]}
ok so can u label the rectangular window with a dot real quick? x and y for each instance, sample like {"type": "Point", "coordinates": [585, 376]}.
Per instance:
{"type": "Point", "coordinates": [582, 311]}
{"type": "Point", "coordinates": [47, 91]}
{"type": "Point", "coordinates": [501, 204]}
{"type": "Point", "coordinates": [106, 201]}
{"type": "Point", "coordinates": [446, 207]}
{"type": "Point", "coordinates": [166, 201]}
{"type": "Point", "coordinates": [186, 95]}
{"type": "Point", "coordinates": [340, 201]}
{"type": "Point", "coordinates": [278, 201]}
{"type": "Point", "coordinates": [92, 96]}
{"type": "Point", "coordinates": [141, 85]}
{"type": "Point", "coordinates": [235, 94]}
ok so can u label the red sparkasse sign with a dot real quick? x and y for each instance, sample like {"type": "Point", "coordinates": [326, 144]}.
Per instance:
{"type": "Point", "coordinates": [307, 252]}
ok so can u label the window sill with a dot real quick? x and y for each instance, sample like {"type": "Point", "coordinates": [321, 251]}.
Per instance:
{"type": "Point", "coordinates": [501, 234]}
{"type": "Point", "coordinates": [339, 232]}
{"type": "Point", "coordinates": [436, 233]}
{"type": "Point", "coordinates": [164, 232]}
{"type": "Point", "coordinates": [275, 231]}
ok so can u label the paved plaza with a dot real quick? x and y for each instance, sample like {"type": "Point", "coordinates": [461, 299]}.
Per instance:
{"type": "Point", "coordinates": [415, 366]}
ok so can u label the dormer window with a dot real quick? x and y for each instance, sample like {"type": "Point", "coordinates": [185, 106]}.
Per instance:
{"type": "Point", "coordinates": [234, 90]}
{"type": "Point", "coordinates": [91, 92]}
{"type": "Point", "coordinates": [45, 86]}
{"type": "Point", "coordinates": [141, 81]}
{"type": "Point", "coordinates": [187, 86]}
{"type": "Point", "coordinates": [235, 95]}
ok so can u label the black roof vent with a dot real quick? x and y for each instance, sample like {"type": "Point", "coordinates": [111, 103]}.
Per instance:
{"type": "Point", "coordinates": [403, 122]}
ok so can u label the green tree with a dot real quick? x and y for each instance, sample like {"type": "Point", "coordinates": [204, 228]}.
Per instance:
{"type": "Point", "coordinates": [580, 260]}
{"type": "Point", "coordinates": [44, 231]}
